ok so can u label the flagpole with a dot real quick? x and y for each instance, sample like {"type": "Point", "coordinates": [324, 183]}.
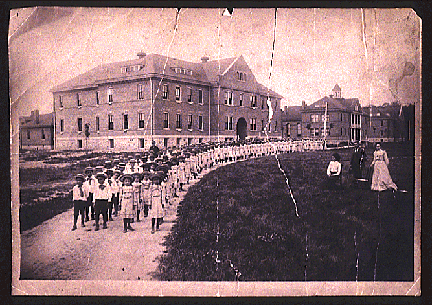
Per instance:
{"type": "Point", "coordinates": [325, 125]}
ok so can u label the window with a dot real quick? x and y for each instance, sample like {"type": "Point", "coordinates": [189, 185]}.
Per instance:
{"type": "Point", "coordinates": [97, 124]}
{"type": "Point", "coordinates": [165, 142]}
{"type": "Point", "coordinates": [288, 131]}
{"type": "Point", "coordinates": [141, 143]}
{"type": "Point", "coordinates": [200, 96]}
{"type": "Point", "coordinates": [79, 121]}
{"type": "Point", "coordinates": [140, 91]}
{"type": "Point", "coordinates": [166, 120]}
{"type": "Point", "coordinates": [382, 122]}
{"type": "Point", "coordinates": [241, 76]}
{"type": "Point", "coordinates": [111, 143]}
{"type": "Point", "coordinates": [60, 101]}
{"type": "Point", "coordinates": [299, 130]}
{"type": "Point", "coordinates": [110, 122]}
{"type": "Point", "coordinates": [165, 91]}
{"type": "Point", "coordinates": [325, 118]}
{"type": "Point", "coordinates": [275, 129]}
{"type": "Point", "coordinates": [178, 93]}
{"type": "Point", "coordinates": [269, 126]}
{"type": "Point", "coordinates": [262, 125]}
{"type": "Point", "coordinates": [178, 121]}
{"type": "Point", "coordinates": [189, 96]}
{"type": "Point", "coordinates": [28, 134]}
{"type": "Point", "coordinates": [229, 123]}
{"type": "Point", "coordinates": [110, 95]}
{"type": "Point", "coordinates": [178, 141]}
{"type": "Point", "coordinates": [327, 132]}
{"type": "Point", "coordinates": [200, 140]}
{"type": "Point", "coordinates": [80, 144]}
{"type": "Point", "coordinates": [78, 100]}
{"type": "Point", "coordinates": [341, 132]}
{"type": "Point", "coordinates": [315, 132]}
{"type": "Point", "coordinates": [97, 97]}
{"type": "Point", "coordinates": [140, 120]}
{"type": "Point", "coordinates": [241, 99]}
{"type": "Point", "coordinates": [189, 122]}
{"type": "Point", "coordinates": [189, 141]}
{"type": "Point", "coordinates": [125, 121]}
{"type": "Point", "coordinates": [253, 101]}
{"type": "Point", "coordinates": [253, 124]}
{"type": "Point", "coordinates": [61, 125]}
{"type": "Point", "coordinates": [228, 98]}
{"type": "Point", "coordinates": [341, 117]}
{"type": "Point", "coordinates": [262, 102]}
{"type": "Point", "coordinates": [381, 132]}
{"type": "Point", "coordinates": [200, 123]}
{"type": "Point", "coordinates": [315, 118]}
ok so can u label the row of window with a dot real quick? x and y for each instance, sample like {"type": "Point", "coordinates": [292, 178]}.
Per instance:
{"type": "Point", "coordinates": [229, 100]}
{"type": "Point", "coordinates": [141, 142]}
{"type": "Point", "coordinates": [43, 137]}
{"type": "Point", "coordinates": [355, 118]}
{"type": "Point", "coordinates": [252, 124]}
{"type": "Point", "coordinates": [141, 95]}
{"type": "Point", "coordinates": [141, 122]}
{"type": "Point", "coordinates": [299, 129]}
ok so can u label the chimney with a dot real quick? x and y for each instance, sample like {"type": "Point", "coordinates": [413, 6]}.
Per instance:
{"type": "Point", "coordinates": [36, 116]}
{"type": "Point", "coordinates": [204, 59]}
{"type": "Point", "coordinates": [141, 54]}
{"type": "Point", "coordinates": [303, 104]}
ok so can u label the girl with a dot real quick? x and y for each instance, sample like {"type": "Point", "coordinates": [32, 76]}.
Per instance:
{"type": "Point", "coordinates": [381, 179]}
{"type": "Point", "coordinates": [137, 194]}
{"type": "Point", "coordinates": [157, 199]}
{"type": "Point", "coordinates": [126, 198]}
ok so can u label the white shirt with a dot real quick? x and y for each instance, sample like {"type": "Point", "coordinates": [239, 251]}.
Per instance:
{"type": "Point", "coordinates": [99, 193]}
{"type": "Point", "coordinates": [76, 194]}
{"type": "Point", "coordinates": [334, 167]}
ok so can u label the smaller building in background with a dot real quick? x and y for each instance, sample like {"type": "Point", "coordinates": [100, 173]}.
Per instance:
{"type": "Point", "coordinates": [385, 123]}
{"type": "Point", "coordinates": [292, 122]}
{"type": "Point", "coordinates": [37, 131]}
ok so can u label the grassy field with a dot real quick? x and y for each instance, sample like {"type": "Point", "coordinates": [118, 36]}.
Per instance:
{"type": "Point", "coordinates": [261, 237]}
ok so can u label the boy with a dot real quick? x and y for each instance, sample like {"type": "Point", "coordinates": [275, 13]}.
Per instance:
{"type": "Point", "coordinates": [101, 198]}
{"type": "Point", "coordinates": [79, 196]}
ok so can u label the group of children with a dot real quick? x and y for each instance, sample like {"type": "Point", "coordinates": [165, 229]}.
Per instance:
{"type": "Point", "coordinates": [149, 182]}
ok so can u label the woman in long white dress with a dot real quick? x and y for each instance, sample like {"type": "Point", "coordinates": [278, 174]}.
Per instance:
{"type": "Point", "coordinates": [381, 179]}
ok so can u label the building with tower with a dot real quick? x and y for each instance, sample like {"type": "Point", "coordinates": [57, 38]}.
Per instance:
{"type": "Point", "coordinates": [124, 106]}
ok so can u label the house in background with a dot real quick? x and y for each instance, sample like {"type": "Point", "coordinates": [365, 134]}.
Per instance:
{"type": "Point", "coordinates": [344, 120]}
{"type": "Point", "coordinates": [385, 123]}
{"type": "Point", "coordinates": [291, 118]}
{"type": "Point", "coordinates": [124, 106]}
{"type": "Point", "coordinates": [36, 131]}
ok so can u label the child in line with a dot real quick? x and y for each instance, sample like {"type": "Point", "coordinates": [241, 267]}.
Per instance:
{"type": "Point", "coordinates": [157, 199]}
{"type": "Point", "coordinates": [79, 196]}
{"type": "Point", "coordinates": [126, 198]}
{"type": "Point", "coordinates": [137, 194]}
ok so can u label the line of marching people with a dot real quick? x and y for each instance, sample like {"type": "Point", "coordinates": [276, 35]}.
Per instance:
{"type": "Point", "coordinates": [144, 185]}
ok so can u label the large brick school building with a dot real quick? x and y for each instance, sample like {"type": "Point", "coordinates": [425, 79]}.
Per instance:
{"type": "Point", "coordinates": [124, 106]}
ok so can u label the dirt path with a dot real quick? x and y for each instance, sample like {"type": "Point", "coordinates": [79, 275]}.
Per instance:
{"type": "Point", "coordinates": [52, 251]}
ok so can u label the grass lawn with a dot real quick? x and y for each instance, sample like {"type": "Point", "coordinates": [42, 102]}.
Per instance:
{"type": "Point", "coordinates": [261, 237]}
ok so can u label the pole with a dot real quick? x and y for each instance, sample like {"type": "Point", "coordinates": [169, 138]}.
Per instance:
{"type": "Point", "coordinates": [151, 88]}
{"type": "Point", "coordinates": [325, 126]}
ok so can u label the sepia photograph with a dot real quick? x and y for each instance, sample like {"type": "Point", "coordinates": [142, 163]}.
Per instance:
{"type": "Point", "coordinates": [215, 151]}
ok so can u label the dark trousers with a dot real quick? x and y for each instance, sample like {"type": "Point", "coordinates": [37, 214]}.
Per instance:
{"type": "Point", "coordinates": [89, 207]}
{"type": "Point", "coordinates": [156, 221]}
{"type": "Point", "coordinates": [146, 210]}
{"type": "Point", "coordinates": [79, 208]}
{"type": "Point", "coordinates": [101, 207]}
{"type": "Point", "coordinates": [115, 201]}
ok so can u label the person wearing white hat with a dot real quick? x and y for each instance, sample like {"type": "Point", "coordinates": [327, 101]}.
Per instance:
{"type": "Point", "coordinates": [126, 197]}
{"type": "Point", "coordinates": [88, 185]}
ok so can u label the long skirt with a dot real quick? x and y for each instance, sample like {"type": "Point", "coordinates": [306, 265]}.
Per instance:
{"type": "Point", "coordinates": [381, 179]}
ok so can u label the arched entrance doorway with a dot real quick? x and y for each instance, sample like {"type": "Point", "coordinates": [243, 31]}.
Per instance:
{"type": "Point", "coordinates": [241, 129]}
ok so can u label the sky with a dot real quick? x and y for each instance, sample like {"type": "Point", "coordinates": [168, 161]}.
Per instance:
{"type": "Point", "coordinates": [363, 51]}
